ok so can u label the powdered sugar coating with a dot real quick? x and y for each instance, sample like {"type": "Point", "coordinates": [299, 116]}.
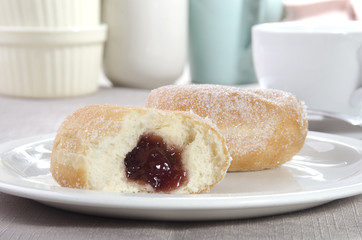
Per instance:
{"type": "Point", "coordinates": [92, 143]}
{"type": "Point", "coordinates": [263, 127]}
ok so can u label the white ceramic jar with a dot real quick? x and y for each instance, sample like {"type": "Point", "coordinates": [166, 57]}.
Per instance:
{"type": "Point", "coordinates": [147, 41]}
{"type": "Point", "coordinates": [50, 48]}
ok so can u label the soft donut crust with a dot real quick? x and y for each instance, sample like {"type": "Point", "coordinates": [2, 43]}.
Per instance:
{"type": "Point", "coordinates": [96, 128]}
{"type": "Point", "coordinates": [263, 128]}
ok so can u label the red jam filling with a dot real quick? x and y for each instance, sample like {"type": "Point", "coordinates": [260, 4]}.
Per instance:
{"type": "Point", "coordinates": [155, 163]}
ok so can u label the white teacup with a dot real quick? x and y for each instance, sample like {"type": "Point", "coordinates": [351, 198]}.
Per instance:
{"type": "Point", "coordinates": [321, 63]}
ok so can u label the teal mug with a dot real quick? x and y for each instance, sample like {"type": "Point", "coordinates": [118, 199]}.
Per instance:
{"type": "Point", "coordinates": [220, 38]}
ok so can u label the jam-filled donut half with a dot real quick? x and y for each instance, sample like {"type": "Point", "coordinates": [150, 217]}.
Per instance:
{"type": "Point", "coordinates": [130, 149]}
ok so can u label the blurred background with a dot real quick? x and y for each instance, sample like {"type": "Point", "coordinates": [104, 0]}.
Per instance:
{"type": "Point", "coordinates": [219, 35]}
{"type": "Point", "coordinates": [64, 48]}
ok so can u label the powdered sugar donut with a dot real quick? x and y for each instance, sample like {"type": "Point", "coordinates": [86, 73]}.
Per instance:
{"type": "Point", "coordinates": [130, 149]}
{"type": "Point", "coordinates": [263, 128]}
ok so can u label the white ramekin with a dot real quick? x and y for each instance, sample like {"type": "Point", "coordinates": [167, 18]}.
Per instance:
{"type": "Point", "coordinates": [44, 63]}
{"type": "Point", "coordinates": [49, 13]}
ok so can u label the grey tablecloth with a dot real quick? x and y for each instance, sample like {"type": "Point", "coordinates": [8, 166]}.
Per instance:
{"type": "Point", "coordinates": [26, 219]}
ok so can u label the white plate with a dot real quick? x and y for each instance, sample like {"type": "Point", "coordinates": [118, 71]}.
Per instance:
{"type": "Point", "coordinates": [329, 167]}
